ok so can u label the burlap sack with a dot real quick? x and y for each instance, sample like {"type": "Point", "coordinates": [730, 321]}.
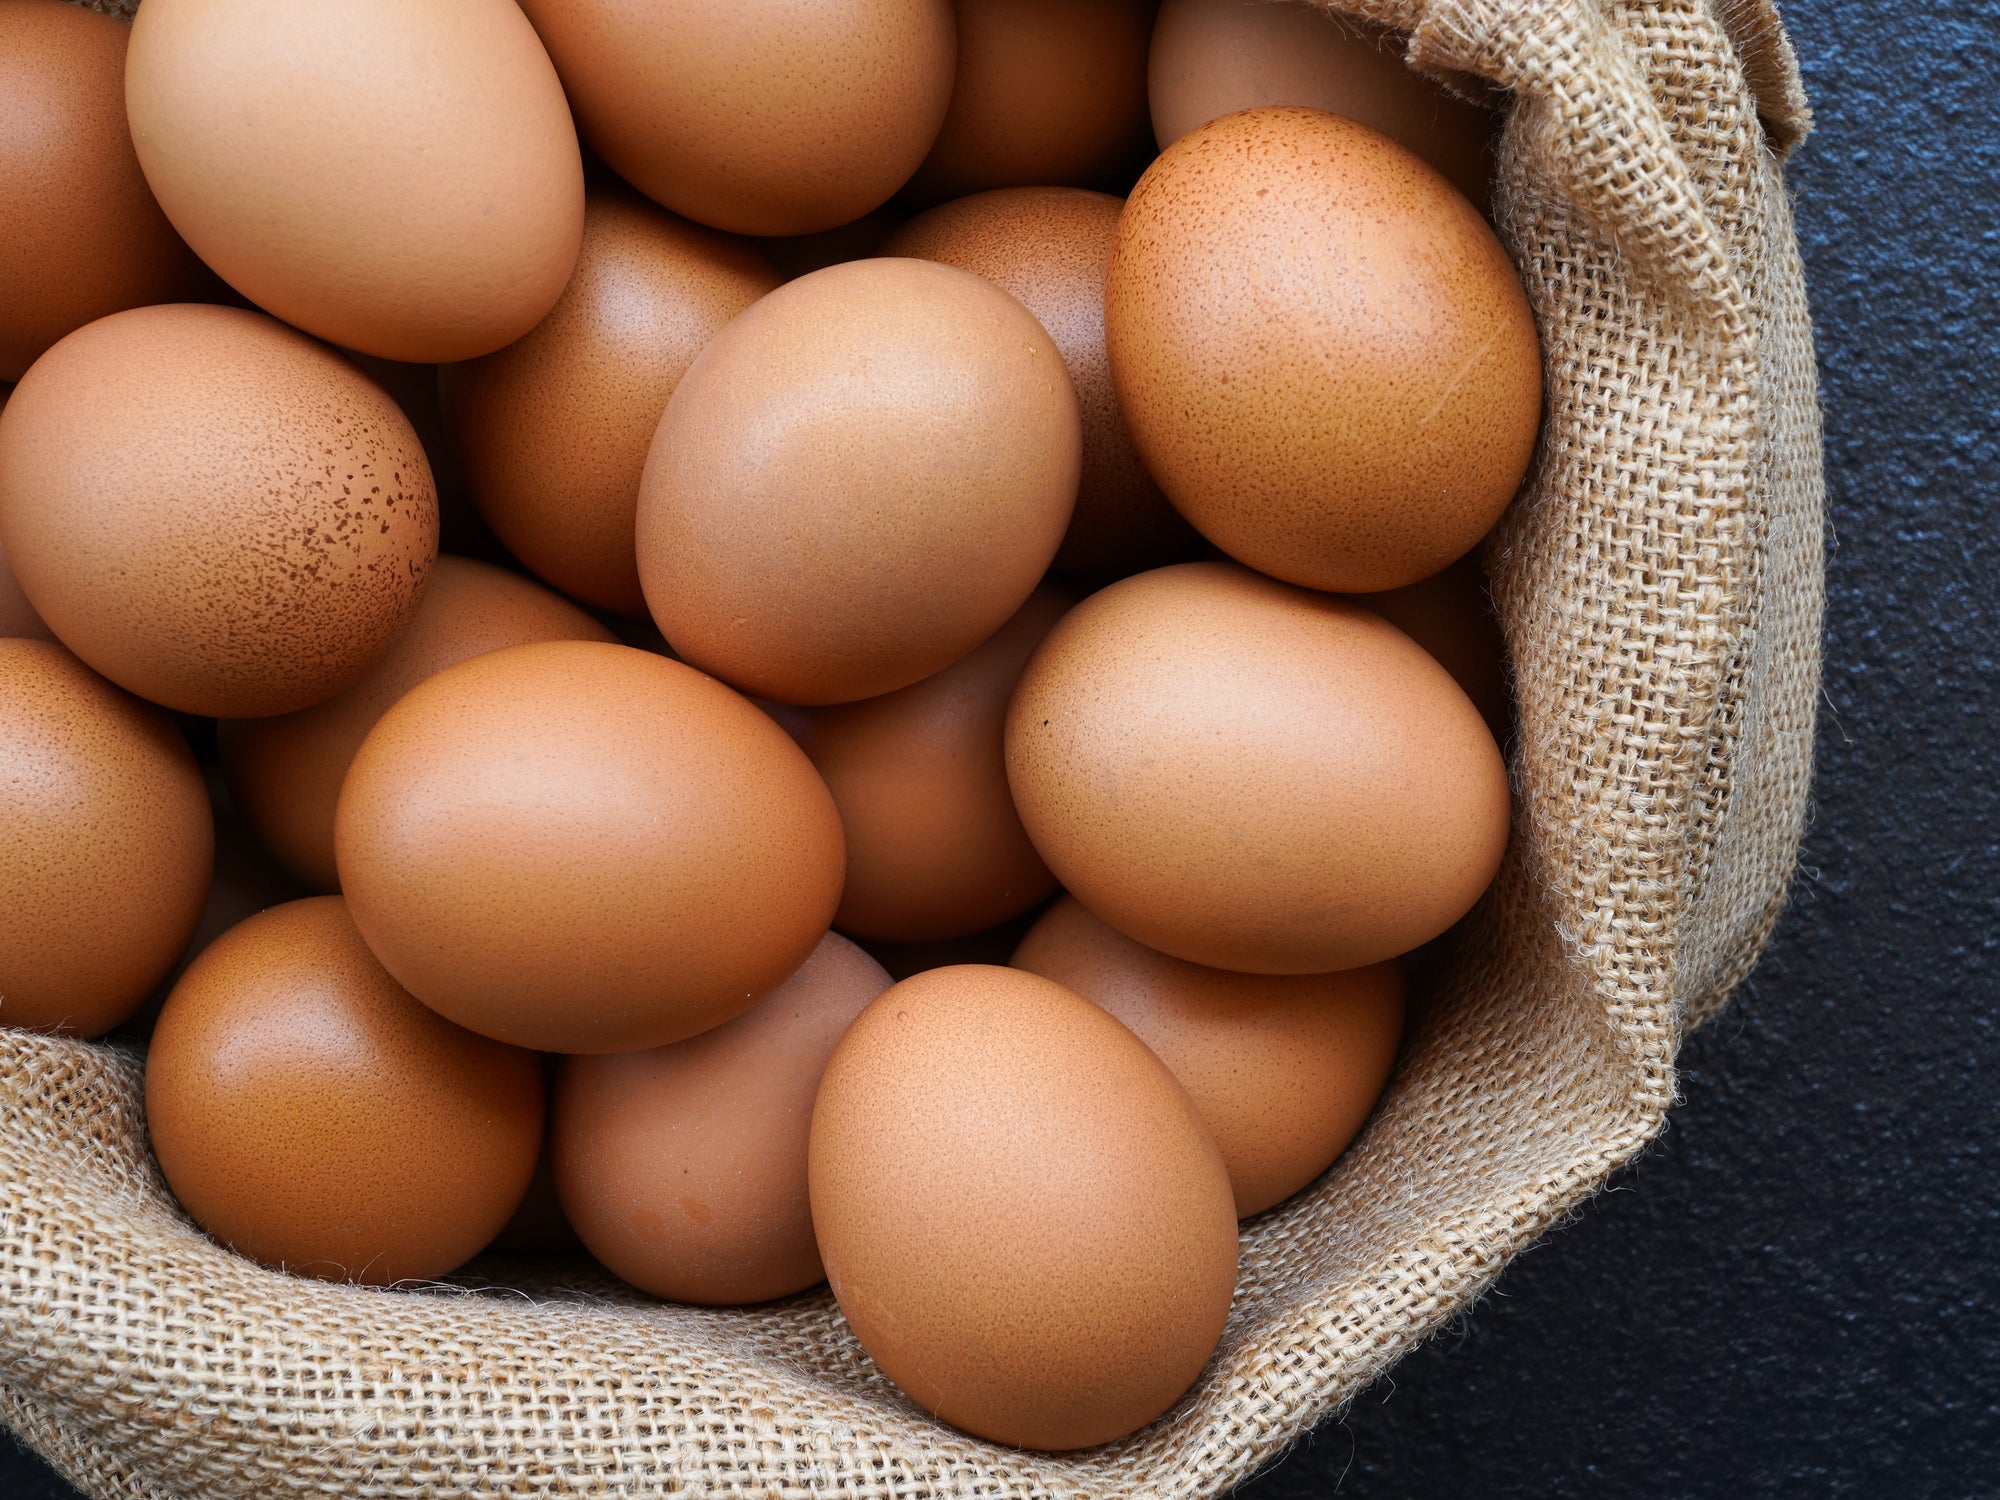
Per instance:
{"type": "Point", "coordinates": [1660, 581]}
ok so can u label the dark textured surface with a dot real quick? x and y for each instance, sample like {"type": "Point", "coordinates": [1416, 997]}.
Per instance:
{"type": "Point", "coordinates": [1793, 1293]}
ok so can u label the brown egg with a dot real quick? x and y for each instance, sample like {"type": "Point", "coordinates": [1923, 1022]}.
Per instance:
{"type": "Point", "coordinates": [309, 548]}
{"type": "Point", "coordinates": [400, 179]}
{"type": "Point", "coordinates": [1285, 1068]}
{"type": "Point", "coordinates": [934, 848]}
{"type": "Point", "coordinates": [684, 1168]}
{"type": "Point", "coordinates": [310, 1115]}
{"type": "Point", "coordinates": [1322, 351]}
{"type": "Point", "coordinates": [554, 428]}
{"type": "Point", "coordinates": [585, 848]}
{"type": "Point", "coordinates": [1254, 777]}
{"type": "Point", "coordinates": [107, 848]}
{"type": "Point", "coordinates": [1022, 1215]}
{"type": "Point", "coordinates": [1049, 247]}
{"type": "Point", "coordinates": [80, 234]}
{"type": "Point", "coordinates": [858, 481]}
{"type": "Point", "coordinates": [759, 116]}
{"type": "Point", "coordinates": [1213, 57]}
{"type": "Point", "coordinates": [1047, 92]}
{"type": "Point", "coordinates": [1450, 614]}
{"type": "Point", "coordinates": [286, 772]}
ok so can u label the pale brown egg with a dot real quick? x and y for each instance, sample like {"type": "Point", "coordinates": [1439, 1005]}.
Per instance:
{"type": "Point", "coordinates": [107, 847]}
{"type": "Point", "coordinates": [758, 116]}
{"type": "Point", "coordinates": [1323, 354]}
{"type": "Point", "coordinates": [581, 847]}
{"type": "Point", "coordinates": [1048, 92]}
{"type": "Point", "coordinates": [553, 429]}
{"type": "Point", "coordinates": [242, 532]}
{"type": "Point", "coordinates": [1252, 776]}
{"type": "Point", "coordinates": [286, 772]}
{"type": "Point", "coordinates": [1022, 1215]}
{"type": "Point", "coordinates": [80, 234]}
{"type": "Point", "coordinates": [1450, 614]}
{"type": "Point", "coordinates": [1049, 247]}
{"type": "Point", "coordinates": [684, 1168]}
{"type": "Point", "coordinates": [1285, 1068]}
{"type": "Point", "coordinates": [308, 1113]}
{"type": "Point", "coordinates": [399, 179]}
{"type": "Point", "coordinates": [1213, 57]}
{"type": "Point", "coordinates": [857, 481]}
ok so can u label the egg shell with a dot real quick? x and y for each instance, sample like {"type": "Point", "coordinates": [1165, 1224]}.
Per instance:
{"type": "Point", "coordinates": [1047, 92]}
{"type": "Point", "coordinates": [80, 234]}
{"type": "Point", "coordinates": [108, 844]}
{"type": "Point", "coordinates": [400, 179]}
{"type": "Point", "coordinates": [1048, 247]}
{"type": "Point", "coordinates": [1252, 776]}
{"type": "Point", "coordinates": [553, 429]}
{"type": "Point", "coordinates": [934, 847]}
{"type": "Point", "coordinates": [308, 1113]}
{"type": "Point", "coordinates": [1451, 615]}
{"type": "Point", "coordinates": [1323, 354]}
{"type": "Point", "coordinates": [858, 480]}
{"type": "Point", "coordinates": [242, 532]}
{"type": "Point", "coordinates": [1285, 1068]}
{"type": "Point", "coordinates": [757, 116]}
{"type": "Point", "coordinates": [684, 1168]}
{"type": "Point", "coordinates": [581, 847]}
{"type": "Point", "coordinates": [1214, 57]}
{"type": "Point", "coordinates": [286, 772]}
{"type": "Point", "coordinates": [1022, 1215]}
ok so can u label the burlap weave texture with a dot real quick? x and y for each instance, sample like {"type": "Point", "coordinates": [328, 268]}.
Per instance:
{"type": "Point", "coordinates": [1660, 582]}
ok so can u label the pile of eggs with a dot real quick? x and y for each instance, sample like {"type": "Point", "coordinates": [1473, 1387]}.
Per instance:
{"type": "Point", "coordinates": [874, 544]}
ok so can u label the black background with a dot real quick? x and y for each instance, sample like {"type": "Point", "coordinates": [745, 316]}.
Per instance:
{"type": "Point", "coordinates": [1792, 1292]}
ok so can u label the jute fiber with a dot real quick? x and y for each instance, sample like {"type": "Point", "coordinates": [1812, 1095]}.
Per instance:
{"type": "Point", "coordinates": [1660, 583]}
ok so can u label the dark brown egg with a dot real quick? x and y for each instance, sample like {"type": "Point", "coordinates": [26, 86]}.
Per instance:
{"type": "Point", "coordinates": [858, 481]}
{"type": "Point", "coordinates": [1022, 1215]}
{"type": "Point", "coordinates": [242, 532]}
{"type": "Point", "coordinates": [80, 234]}
{"type": "Point", "coordinates": [107, 846]}
{"type": "Point", "coordinates": [1213, 57]}
{"type": "Point", "coordinates": [1285, 1068]}
{"type": "Point", "coordinates": [1253, 776]}
{"type": "Point", "coordinates": [1323, 353]}
{"type": "Point", "coordinates": [1450, 614]}
{"type": "Point", "coordinates": [758, 116]}
{"type": "Point", "coordinates": [934, 848]}
{"type": "Point", "coordinates": [585, 848]}
{"type": "Point", "coordinates": [310, 1115]}
{"type": "Point", "coordinates": [1047, 92]}
{"type": "Point", "coordinates": [684, 1168]}
{"type": "Point", "coordinates": [1049, 248]}
{"type": "Point", "coordinates": [553, 429]}
{"type": "Point", "coordinates": [286, 772]}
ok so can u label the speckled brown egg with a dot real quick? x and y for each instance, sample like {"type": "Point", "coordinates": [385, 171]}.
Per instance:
{"type": "Point", "coordinates": [1213, 57]}
{"type": "Point", "coordinates": [1323, 353]}
{"type": "Point", "coordinates": [1048, 247]}
{"type": "Point", "coordinates": [1047, 92]}
{"type": "Point", "coordinates": [857, 481]}
{"type": "Point", "coordinates": [758, 116]}
{"type": "Point", "coordinates": [553, 429]}
{"type": "Point", "coordinates": [1022, 1215]}
{"type": "Point", "coordinates": [107, 849]}
{"type": "Point", "coordinates": [400, 179]}
{"type": "Point", "coordinates": [684, 1168]}
{"type": "Point", "coordinates": [80, 234]}
{"type": "Point", "coordinates": [1252, 776]}
{"type": "Point", "coordinates": [934, 847]}
{"type": "Point", "coordinates": [1450, 614]}
{"type": "Point", "coordinates": [242, 532]}
{"type": "Point", "coordinates": [286, 772]}
{"type": "Point", "coordinates": [581, 847]}
{"type": "Point", "coordinates": [310, 1115]}
{"type": "Point", "coordinates": [1285, 1068]}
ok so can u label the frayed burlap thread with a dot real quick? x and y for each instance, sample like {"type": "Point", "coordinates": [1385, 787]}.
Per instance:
{"type": "Point", "coordinates": [1660, 582]}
